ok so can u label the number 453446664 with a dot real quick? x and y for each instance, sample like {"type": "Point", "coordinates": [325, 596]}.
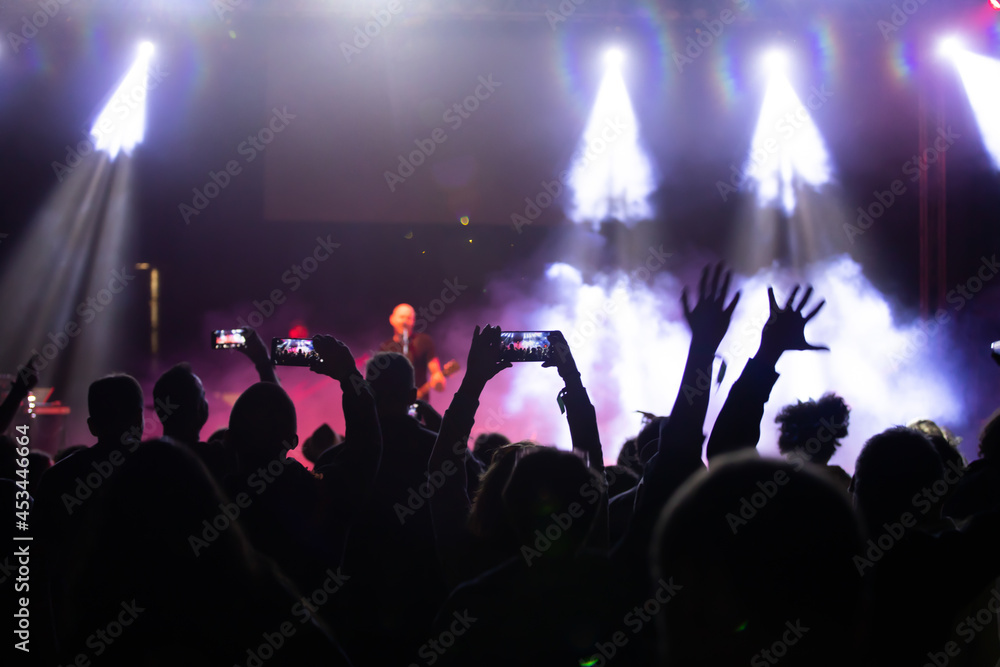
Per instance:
{"type": "Point", "coordinates": [21, 496]}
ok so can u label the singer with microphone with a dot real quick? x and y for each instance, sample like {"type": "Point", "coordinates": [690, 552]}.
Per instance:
{"type": "Point", "coordinates": [419, 348]}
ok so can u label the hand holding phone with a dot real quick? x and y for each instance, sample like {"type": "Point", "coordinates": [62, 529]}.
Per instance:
{"type": "Point", "coordinates": [333, 358]}
{"type": "Point", "coordinates": [561, 357]}
{"type": "Point", "coordinates": [229, 339]}
{"type": "Point", "coordinates": [484, 360]}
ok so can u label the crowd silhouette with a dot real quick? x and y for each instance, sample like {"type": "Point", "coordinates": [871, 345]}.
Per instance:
{"type": "Point", "coordinates": [407, 544]}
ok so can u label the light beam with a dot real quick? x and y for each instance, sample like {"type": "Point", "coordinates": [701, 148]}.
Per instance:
{"type": "Point", "coordinates": [122, 123]}
{"type": "Point", "coordinates": [787, 150]}
{"type": "Point", "coordinates": [611, 176]}
{"type": "Point", "coordinates": [980, 76]}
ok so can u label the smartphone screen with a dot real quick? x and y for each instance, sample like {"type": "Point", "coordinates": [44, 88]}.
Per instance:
{"type": "Point", "coordinates": [227, 339]}
{"type": "Point", "coordinates": [292, 351]}
{"type": "Point", "coordinates": [525, 346]}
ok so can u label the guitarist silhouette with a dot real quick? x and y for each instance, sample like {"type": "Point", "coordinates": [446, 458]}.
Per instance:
{"type": "Point", "coordinates": [419, 349]}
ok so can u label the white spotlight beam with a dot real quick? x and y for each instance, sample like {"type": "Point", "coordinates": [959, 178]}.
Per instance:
{"type": "Point", "coordinates": [122, 123]}
{"type": "Point", "coordinates": [787, 149]}
{"type": "Point", "coordinates": [980, 76]}
{"type": "Point", "coordinates": [611, 176]}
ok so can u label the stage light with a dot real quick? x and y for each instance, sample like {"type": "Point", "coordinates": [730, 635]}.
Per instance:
{"type": "Point", "coordinates": [787, 150]}
{"type": "Point", "coordinates": [979, 77]}
{"type": "Point", "coordinates": [614, 58]}
{"type": "Point", "coordinates": [776, 61]}
{"type": "Point", "coordinates": [995, 4]}
{"type": "Point", "coordinates": [122, 123]}
{"type": "Point", "coordinates": [610, 176]}
{"type": "Point", "coordinates": [949, 47]}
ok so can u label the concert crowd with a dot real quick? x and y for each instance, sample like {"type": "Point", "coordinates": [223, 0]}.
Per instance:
{"type": "Point", "coordinates": [408, 544]}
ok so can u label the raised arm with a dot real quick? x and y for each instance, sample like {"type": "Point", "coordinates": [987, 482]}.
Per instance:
{"type": "Point", "coordinates": [352, 472]}
{"type": "Point", "coordinates": [580, 413]}
{"type": "Point", "coordinates": [256, 351]}
{"type": "Point", "coordinates": [582, 419]}
{"type": "Point", "coordinates": [681, 436]}
{"type": "Point", "coordinates": [27, 378]}
{"type": "Point", "coordinates": [679, 449]}
{"type": "Point", "coordinates": [738, 425]}
{"type": "Point", "coordinates": [450, 504]}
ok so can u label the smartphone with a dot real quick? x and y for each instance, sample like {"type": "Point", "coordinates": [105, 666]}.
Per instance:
{"type": "Point", "coordinates": [292, 351]}
{"type": "Point", "coordinates": [995, 351]}
{"type": "Point", "coordinates": [229, 339]}
{"type": "Point", "coordinates": [526, 346]}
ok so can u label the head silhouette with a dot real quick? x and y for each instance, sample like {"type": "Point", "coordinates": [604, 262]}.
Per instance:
{"type": "Point", "coordinates": [390, 375]}
{"type": "Point", "coordinates": [322, 439]}
{"type": "Point", "coordinates": [547, 494]}
{"type": "Point", "coordinates": [486, 444]}
{"type": "Point", "coordinates": [989, 438]}
{"type": "Point", "coordinates": [760, 551]}
{"type": "Point", "coordinates": [180, 403]}
{"type": "Point", "coordinates": [115, 406]}
{"type": "Point", "coordinates": [262, 425]}
{"type": "Point", "coordinates": [892, 468]}
{"type": "Point", "coordinates": [945, 442]}
{"type": "Point", "coordinates": [812, 431]}
{"type": "Point", "coordinates": [488, 519]}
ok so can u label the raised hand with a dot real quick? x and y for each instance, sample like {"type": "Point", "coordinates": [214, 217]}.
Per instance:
{"type": "Point", "coordinates": [484, 357]}
{"type": "Point", "coordinates": [335, 358]}
{"type": "Point", "coordinates": [785, 328]}
{"type": "Point", "coordinates": [709, 319]}
{"type": "Point", "coordinates": [255, 348]}
{"type": "Point", "coordinates": [27, 375]}
{"type": "Point", "coordinates": [562, 357]}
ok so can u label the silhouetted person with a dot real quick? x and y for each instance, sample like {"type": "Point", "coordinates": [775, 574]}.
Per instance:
{"type": "Point", "coordinates": [979, 490]}
{"type": "Point", "coordinates": [169, 565]}
{"type": "Point", "coordinates": [622, 504]}
{"type": "Point", "coordinates": [322, 439]}
{"type": "Point", "coordinates": [396, 584]}
{"type": "Point", "coordinates": [70, 498]}
{"type": "Point", "coordinates": [924, 571]}
{"type": "Point", "coordinates": [486, 444]}
{"type": "Point", "coordinates": [181, 407]}
{"type": "Point", "coordinates": [760, 555]}
{"type": "Point", "coordinates": [550, 604]}
{"type": "Point", "coordinates": [811, 432]}
{"type": "Point", "coordinates": [283, 508]}
{"type": "Point", "coordinates": [945, 442]}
